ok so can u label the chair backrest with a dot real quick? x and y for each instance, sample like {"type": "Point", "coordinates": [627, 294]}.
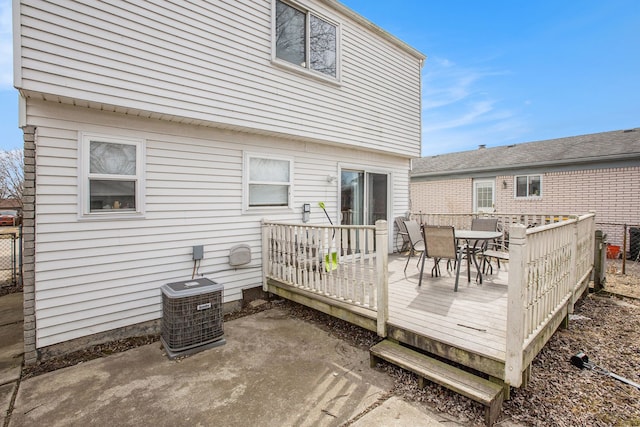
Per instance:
{"type": "Point", "coordinates": [440, 241]}
{"type": "Point", "coordinates": [484, 224]}
{"type": "Point", "coordinates": [400, 224]}
{"type": "Point", "coordinates": [414, 232]}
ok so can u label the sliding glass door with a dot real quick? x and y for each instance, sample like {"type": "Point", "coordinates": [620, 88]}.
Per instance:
{"type": "Point", "coordinates": [364, 197]}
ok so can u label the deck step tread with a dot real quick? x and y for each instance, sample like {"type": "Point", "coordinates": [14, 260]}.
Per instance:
{"type": "Point", "coordinates": [462, 382]}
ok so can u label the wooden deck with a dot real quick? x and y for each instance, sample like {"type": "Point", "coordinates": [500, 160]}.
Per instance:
{"type": "Point", "coordinates": [496, 327]}
{"type": "Point", "coordinates": [468, 326]}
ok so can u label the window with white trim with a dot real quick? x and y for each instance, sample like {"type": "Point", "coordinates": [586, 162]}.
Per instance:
{"type": "Point", "coordinates": [112, 175]}
{"type": "Point", "coordinates": [268, 181]}
{"type": "Point", "coordinates": [528, 186]}
{"type": "Point", "coordinates": [304, 39]}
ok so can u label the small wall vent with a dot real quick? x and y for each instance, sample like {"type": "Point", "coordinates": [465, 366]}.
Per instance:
{"type": "Point", "coordinates": [192, 318]}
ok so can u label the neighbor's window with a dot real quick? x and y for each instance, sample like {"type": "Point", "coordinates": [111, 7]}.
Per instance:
{"type": "Point", "coordinates": [112, 175]}
{"type": "Point", "coordinates": [304, 39]}
{"type": "Point", "coordinates": [528, 186]}
{"type": "Point", "coordinates": [268, 181]}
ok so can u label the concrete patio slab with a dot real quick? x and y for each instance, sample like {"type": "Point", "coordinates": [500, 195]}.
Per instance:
{"type": "Point", "coordinates": [274, 370]}
{"type": "Point", "coordinates": [11, 337]}
{"type": "Point", "coordinates": [396, 412]}
{"type": "Point", "coordinates": [6, 393]}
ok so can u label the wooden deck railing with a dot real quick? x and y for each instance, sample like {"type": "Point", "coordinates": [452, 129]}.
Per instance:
{"type": "Point", "coordinates": [549, 267]}
{"type": "Point", "coordinates": [344, 263]}
{"type": "Point", "coordinates": [505, 220]}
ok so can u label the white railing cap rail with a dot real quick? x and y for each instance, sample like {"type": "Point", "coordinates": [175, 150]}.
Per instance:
{"type": "Point", "coordinates": [570, 219]}
{"type": "Point", "coordinates": [309, 225]}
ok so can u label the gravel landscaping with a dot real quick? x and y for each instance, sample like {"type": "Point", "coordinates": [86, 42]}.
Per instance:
{"type": "Point", "coordinates": [605, 326]}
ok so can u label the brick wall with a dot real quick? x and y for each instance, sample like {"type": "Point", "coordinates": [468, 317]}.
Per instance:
{"type": "Point", "coordinates": [28, 236]}
{"type": "Point", "coordinates": [448, 196]}
{"type": "Point", "coordinates": [614, 194]}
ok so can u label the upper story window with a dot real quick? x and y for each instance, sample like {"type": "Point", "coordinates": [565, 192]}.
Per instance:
{"type": "Point", "coordinates": [112, 176]}
{"type": "Point", "coordinates": [528, 186]}
{"type": "Point", "coordinates": [305, 39]}
{"type": "Point", "coordinates": [268, 181]}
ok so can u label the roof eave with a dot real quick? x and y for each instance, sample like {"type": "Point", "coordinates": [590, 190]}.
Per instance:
{"type": "Point", "coordinates": [562, 162]}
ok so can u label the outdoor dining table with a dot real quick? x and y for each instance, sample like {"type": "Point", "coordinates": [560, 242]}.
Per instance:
{"type": "Point", "coordinates": [472, 238]}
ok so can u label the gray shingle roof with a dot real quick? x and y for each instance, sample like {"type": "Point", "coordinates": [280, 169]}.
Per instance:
{"type": "Point", "coordinates": [596, 147]}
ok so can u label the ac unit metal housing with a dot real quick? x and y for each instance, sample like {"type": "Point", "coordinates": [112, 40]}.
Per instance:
{"type": "Point", "coordinates": [192, 318]}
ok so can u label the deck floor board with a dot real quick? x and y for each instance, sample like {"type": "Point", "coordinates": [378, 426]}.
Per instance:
{"type": "Point", "coordinates": [474, 318]}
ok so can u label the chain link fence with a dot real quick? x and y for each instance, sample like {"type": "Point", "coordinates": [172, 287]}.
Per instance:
{"type": "Point", "coordinates": [10, 257]}
{"type": "Point", "coordinates": [623, 248]}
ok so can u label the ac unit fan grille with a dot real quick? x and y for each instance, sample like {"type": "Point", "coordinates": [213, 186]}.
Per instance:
{"type": "Point", "coordinates": [191, 321]}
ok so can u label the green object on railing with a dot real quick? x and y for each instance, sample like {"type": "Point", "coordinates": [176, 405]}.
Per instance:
{"type": "Point", "coordinates": [321, 204]}
{"type": "Point", "coordinates": [331, 261]}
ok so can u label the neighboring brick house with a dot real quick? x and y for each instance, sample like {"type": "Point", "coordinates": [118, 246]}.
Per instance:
{"type": "Point", "coordinates": [598, 172]}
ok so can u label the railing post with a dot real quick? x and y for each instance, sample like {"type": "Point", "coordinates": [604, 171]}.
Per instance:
{"type": "Point", "coordinates": [516, 305]}
{"type": "Point", "coordinates": [382, 270]}
{"type": "Point", "coordinates": [573, 276]}
{"type": "Point", "coordinates": [599, 262]}
{"type": "Point", "coordinates": [265, 254]}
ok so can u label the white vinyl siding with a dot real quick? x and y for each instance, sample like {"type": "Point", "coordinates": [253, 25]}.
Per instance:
{"type": "Point", "coordinates": [210, 63]}
{"type": "Point", "coordinates": [93, 276]}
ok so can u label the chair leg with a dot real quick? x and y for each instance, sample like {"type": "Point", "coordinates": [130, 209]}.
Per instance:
{"type": "Point", "coordinates": [407, 263]}
{"type": "Point", "coordinates": [436, 267]}
{"type": "Point", "coordinates": [486, 262]}
{"type": "Point", "coordinates": [422, 269]}
{"type": "Point", "coordinates": [455, 289]}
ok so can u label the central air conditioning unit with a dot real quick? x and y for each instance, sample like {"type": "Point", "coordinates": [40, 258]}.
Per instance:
{"type": "Point", "coordinates": [191, 316]}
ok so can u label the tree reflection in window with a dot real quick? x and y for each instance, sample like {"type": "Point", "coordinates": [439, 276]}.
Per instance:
{"type": "Point", "coordinates": [322, 46]}
{"type": "Point", "coordinates": [110, 158]}
{"type": "Point", "coordinates": [292, 38]}
{"type": "Point", "coordinates": [290, 34]}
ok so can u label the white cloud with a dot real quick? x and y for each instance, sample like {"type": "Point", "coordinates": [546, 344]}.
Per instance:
{"type": "Point", "coordinates": [461, 109]}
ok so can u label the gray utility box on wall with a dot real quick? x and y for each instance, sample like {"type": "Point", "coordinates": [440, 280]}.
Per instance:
{"type": "Point", "coordinates": [192, 318]}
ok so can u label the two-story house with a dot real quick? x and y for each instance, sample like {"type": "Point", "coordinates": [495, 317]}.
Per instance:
{"type": "Point", "coordinates": [153, 127]}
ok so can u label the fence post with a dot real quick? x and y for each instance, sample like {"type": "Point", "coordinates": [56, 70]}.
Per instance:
{"type": "Point", "coordinates": [624, 250]}
{"type": "Point", "coordinates": [573, 276]}
{"type": "Point", "coordinates": [382, 270]}
{"type": "Point", "coordinates": [599, 262]}
{"type": "Point", "coordinates": [516, 304]}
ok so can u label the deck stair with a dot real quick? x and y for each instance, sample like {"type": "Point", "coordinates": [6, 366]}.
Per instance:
{"type": "Point", "coordinates": [462, 382]}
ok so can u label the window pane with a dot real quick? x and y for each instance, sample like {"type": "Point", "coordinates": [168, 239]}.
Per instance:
{"type": "Point", "coordinates": [270, 170]}
{"type": "Point", "coordinates": [322, 55]}
{"type": "Point", "coordinates": [268, 195]}
{"type": "Point", "coordinates": [521, 186]}
{"type": "Point", "coordinates": [485, 197]}
{"type": "Point", "coordinates": [290, 34]}
{"type": "Point", "coordinates": [112, 195]}
{"type": "Point", "coordinates": [534, 186]}
{"type": "Point", "coordinates": [114, 159]}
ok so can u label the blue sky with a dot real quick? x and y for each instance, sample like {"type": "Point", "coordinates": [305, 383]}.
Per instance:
{"type": "Point", "coordinates": [497, 71]}
{"type": "Point", "coordinates": [508, 71]}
